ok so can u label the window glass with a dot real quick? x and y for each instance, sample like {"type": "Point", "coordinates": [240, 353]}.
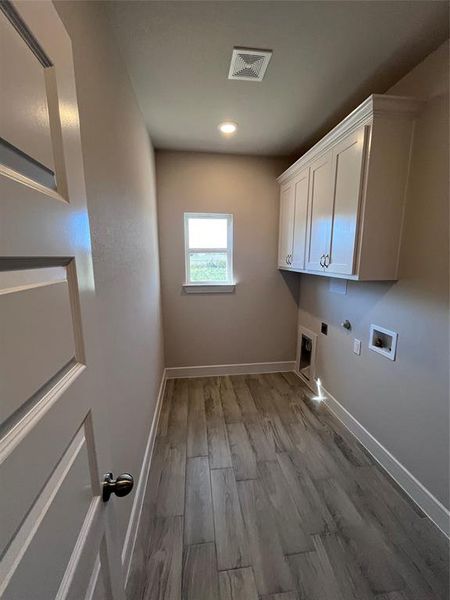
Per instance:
{"type": "Point", "coordinates": [208, 248]}
{"type": "Point", "coordinates": [208, 266]}
{"type": "Point", "coordinates": [207, 233]}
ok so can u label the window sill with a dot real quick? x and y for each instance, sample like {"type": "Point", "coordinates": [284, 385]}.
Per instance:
{"type": "Point", "coordinates": [209, 288]}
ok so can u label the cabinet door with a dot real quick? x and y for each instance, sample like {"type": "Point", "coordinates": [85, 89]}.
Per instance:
{"type": "Point", "coordinates": [286, 232]}
{"type": "Point", "coordinates": [300, 216]}
{"type": "Point", "coordinates": [320, 212]}
{"type": "Point", "coordinates": [347, 167]}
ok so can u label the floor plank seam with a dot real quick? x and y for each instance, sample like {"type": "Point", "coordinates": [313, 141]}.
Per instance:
{"type": "Point", "coordinates": [358, 532]}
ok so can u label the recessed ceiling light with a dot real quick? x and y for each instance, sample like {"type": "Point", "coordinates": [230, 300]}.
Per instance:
{"type": "Point", "coordinates": [227, 127]}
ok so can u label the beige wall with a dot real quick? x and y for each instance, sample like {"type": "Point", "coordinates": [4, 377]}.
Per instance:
{"type": "Point", "coordinates": [119, 171]}
{"type": "Point", "coordinates": [257, 322]}
{"type": "Point", "coordinates": [404, 404]}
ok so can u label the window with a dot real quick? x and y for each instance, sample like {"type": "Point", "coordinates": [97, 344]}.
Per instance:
{"type": "Point", "coordinates": [208, 243]}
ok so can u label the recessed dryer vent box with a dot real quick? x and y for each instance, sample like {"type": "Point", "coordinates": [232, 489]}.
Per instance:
{"type": "Point", "coordinates": [306, 357]}
{"type": "Point", "coordinates": [383, 341]}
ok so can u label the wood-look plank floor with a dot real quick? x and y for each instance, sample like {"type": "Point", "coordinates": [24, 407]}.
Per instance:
{"type": "Point", "coordinates": [256, 492]}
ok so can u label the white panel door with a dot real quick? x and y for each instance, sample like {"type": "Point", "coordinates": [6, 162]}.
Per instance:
{"type": "Point", "coordinates": [320, 212]}
{"type": "Point", "coordinates": [301, 183]}
{"type": "Point", "coordinates": [55, 530]}
{"type": "Point", "coordinates": [348, 170]}
{"type": "Point", "coordinates": [286, 230]}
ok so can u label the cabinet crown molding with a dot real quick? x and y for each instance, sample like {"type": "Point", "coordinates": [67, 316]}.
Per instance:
{"type": "Point", "coordinates": [375, 105]}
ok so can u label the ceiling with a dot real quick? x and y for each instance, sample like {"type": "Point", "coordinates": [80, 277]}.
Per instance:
{"type": "Point", "coordinates": [327, 57]}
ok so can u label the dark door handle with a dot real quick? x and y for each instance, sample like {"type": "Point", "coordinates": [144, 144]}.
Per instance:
{"type": "Point", "coordinates": [121, 486]}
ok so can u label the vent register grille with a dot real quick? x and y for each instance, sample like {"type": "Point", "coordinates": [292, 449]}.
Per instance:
{"type": "Point", "coordinates": [249, 65]}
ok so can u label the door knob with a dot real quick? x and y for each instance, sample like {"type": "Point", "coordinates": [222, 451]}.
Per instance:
{"type": "Point", "coordinates": [121, 486]}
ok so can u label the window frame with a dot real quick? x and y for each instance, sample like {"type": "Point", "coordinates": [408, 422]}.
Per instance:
{"type": "Point", "coordinates": [229, 283]}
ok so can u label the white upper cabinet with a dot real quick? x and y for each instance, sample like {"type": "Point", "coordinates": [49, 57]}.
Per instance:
{"type": "Point", "coordinates": [301, 187]}
{"type": "Point", "coordinates": [293, 216]}
{"type": "Point", "coordinates": [347, 177]}
{"type": "Point", "coordinates": [320, 213]}
{"type": "Point", "coordinates": [286, 234]}
{"type": "Point", "coordinates": [345, 196]}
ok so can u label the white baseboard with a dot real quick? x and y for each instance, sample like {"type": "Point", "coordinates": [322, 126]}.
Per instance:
{"type": "Point", "coordinates": [238, 369]}
{"type": "Point", "coordinates": [135, 516]}
{"type": "Point", "coordinates": [430, 505]}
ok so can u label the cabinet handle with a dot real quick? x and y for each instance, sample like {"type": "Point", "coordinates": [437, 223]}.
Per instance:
{"type": "Point", "coordinates": [327, 260]}
{"type": "Point", "coordinates": [287, 259]}
{"type": "Point", "coordinates": [321, 261]}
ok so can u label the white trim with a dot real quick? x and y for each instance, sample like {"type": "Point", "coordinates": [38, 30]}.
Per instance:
{"type": "Point", "coordinates": [25, 279]}
{"type": "Point", "coordinates": [374, 105]}
{"type": "Point", "coordinates": [311, 382]}
{"type": "Point", "coordinates": [387, 352]}
{"type": "Point", "coordinates": [39, 510]}
{"type": "Point", "coordinates": [136, 511]}
{"type": "Point", "coordinates": [93, 580]}
{"type": "Point", "coordinates": [228, 250]}
{"type": "Point", "coordinates": [236, 369]}
{"type": "Point", "coordinates": [209, 288]}
{"type": "Point", "coordinates": [430, 505]}
{"type": "Point", "coordinates": [323, 273]}
{"type": "Point", "coordinates": [23, 180]}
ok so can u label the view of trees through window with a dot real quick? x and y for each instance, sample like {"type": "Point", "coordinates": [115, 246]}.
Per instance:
{"type": "Point", "coordinates": [208, 266]}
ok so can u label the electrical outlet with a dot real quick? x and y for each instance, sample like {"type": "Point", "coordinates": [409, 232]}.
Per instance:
{"type": "Point", "coordinates": [357, 346]}
{"type": "Point", "coordinates": [324, 329]}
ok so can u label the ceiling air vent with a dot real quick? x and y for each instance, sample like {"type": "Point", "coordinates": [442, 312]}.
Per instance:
{"type": "Point", "coordinates": [248, 64]}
